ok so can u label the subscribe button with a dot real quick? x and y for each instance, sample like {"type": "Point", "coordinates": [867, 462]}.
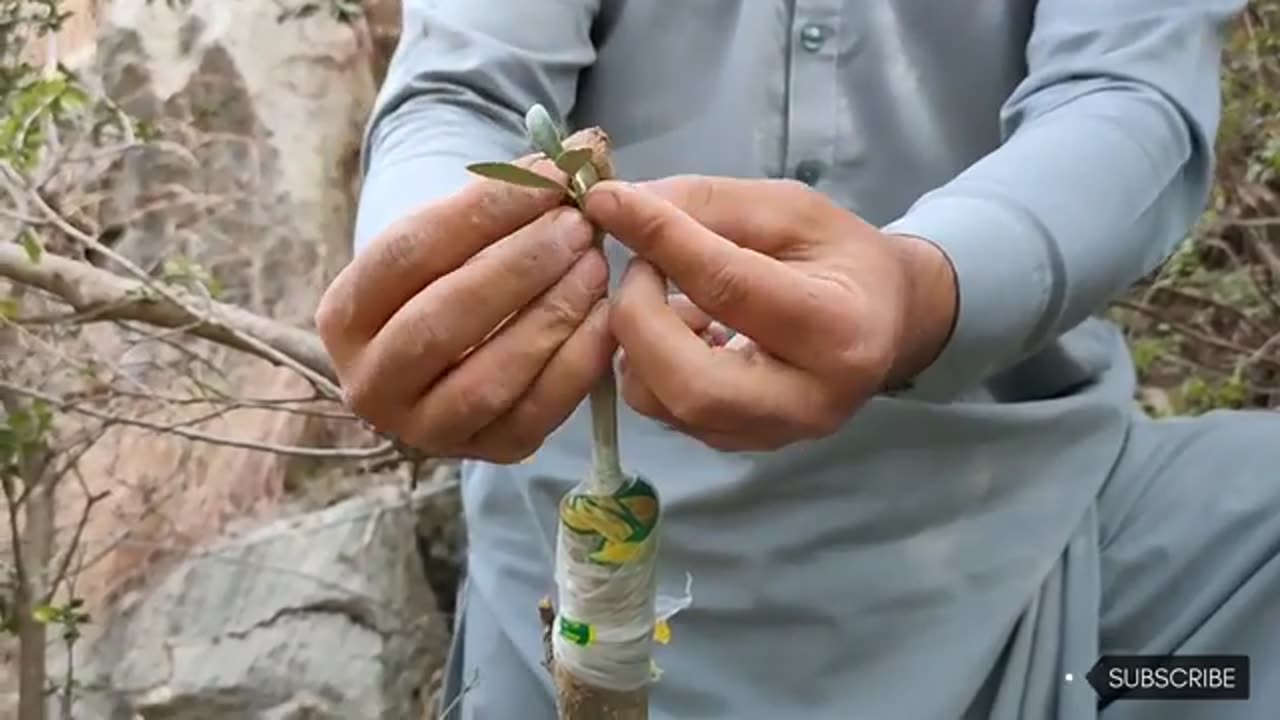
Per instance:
{"type": "Point", "coordinates": [1171, 677]}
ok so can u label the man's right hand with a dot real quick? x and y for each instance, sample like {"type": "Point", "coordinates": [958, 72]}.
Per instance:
{"type": "Point", "coordinates": [474, 327]}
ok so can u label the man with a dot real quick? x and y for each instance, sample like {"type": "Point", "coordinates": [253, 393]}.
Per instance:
{"type": "Point", "coordinates": [917, 488]}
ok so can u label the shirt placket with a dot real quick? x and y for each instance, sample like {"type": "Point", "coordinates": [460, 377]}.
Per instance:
{"type": "Point", "coordinates": [816, 36]}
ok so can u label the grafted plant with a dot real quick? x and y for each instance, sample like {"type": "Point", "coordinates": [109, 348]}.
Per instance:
{"type": "Point", "coordinates": [598, 640]}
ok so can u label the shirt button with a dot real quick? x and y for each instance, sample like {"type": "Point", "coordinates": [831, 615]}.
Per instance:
{"type": "Point", "coordinates": [812, 37]}
{"type": "Point", "coordinates": [809, 171]}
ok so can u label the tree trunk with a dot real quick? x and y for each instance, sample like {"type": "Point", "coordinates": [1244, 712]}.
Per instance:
{"type": "Point", "coordinates": [578, 700]}
{"type": "Point", "coordinates": [37, 552]}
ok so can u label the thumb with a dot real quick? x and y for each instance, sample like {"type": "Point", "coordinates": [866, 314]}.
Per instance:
{"type": "Point", "coordinates": [636, 216]}
{"type": "Point", "coordinates": [655, 229]}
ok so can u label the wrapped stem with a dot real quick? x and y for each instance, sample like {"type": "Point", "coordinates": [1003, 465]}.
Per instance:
{"type": "Point", "coordinates": [601, 639]}
{"type": "Point", "coordinates": [598, 644]}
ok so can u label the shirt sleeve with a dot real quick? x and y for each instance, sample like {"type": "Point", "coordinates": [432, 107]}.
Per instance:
{"type": "Point", "coordinates": [1107, 160]}
{"type": "Point", "coordinates": [462, 77]}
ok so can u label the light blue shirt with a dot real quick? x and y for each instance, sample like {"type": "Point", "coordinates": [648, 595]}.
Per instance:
{"type": "Point", "coordinates": [1056, 150]}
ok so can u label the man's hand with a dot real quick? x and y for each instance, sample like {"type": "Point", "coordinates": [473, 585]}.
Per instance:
{"type": "Point", "coordinates": [474, 327]}
{"type": "Point", "coordinates": [833, 311]}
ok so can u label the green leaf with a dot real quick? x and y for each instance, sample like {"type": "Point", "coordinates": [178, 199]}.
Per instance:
{"type": "Point", "coordinates": [32, 245]}
{"type": "Point", "coordinates": [515, 175]}
{"type": "Point", "coordinates": [73, 98]}
{"type": "Point", "coordinates": [8, 308]}
{"type": "Point", "coordinates": [571, 161]}
{"type": "Point", "coordinates": [543, 133]}
{"type": "Point", "coordinates": [44, 614]}
{"type": "Point", "coordinates": [347, 10]}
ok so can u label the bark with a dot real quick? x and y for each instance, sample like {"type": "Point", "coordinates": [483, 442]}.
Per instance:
{"type": "Point", "coordinates": [33, 555]}
{"type": "Point", "coordinates": [100, 295]}
{"type": "Point", "coordinates": [37, 551]}
{"type": "Point", "coordinates": [577, 699]}
{"type": "Point", "coordinates": [580, 701]}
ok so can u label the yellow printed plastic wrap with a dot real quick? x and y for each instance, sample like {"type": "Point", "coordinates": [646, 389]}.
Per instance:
{"type": "Point", "coordinates": [609, 615]}
{"type": "Point", "coordinates": [621, 523]}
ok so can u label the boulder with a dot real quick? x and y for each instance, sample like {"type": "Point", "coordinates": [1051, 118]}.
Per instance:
{"type": "Point", "coordinates": [323, 615]}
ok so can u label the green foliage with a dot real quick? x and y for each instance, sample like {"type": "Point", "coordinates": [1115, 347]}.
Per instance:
{"type": "Point", "coordinates": [1249, 138]}
{"type": "Point", "coordinates": [38, 100]}
{"type": "Point", "coordinates": [543, 132]}
{"type": "Point", "coordinates": [30, 105]}
{"type": "Point", "coordinates": [571, 161]}
{"type": "Point", "coordinates": [547, 138]}
{"type": "Point", "coordinates": [31, 244]}
{"type": "Point", "coordinates": [1185, 261]}
{"type": "Point", "coordinates": [1202, 336]}
{"type": "Point", "coordinates": [22, 434]}
{"type": "Point", "coordinates": [182, 269]}
{"type": "Point", "coordinates": [70, 617]}
{"type": "Point", "coordinates": [1147, 351]}
{"type": "Point", "coordinates": [29, 95]}
{"type": "Point", "coordinates": [515, 175]}
{"type": "Point", "coordinates": [1264, 165]}
{"type": "Point", "coordinates": [1199, 394]}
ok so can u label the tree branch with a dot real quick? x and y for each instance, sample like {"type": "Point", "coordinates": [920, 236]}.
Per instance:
{"type": "Point", "coordinates": [99, 295]}
{"type": "Point", "coordinates": [379, 451]}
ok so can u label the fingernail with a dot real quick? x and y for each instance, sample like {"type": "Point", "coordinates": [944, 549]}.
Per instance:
{"type": "Point", "coordinates": [740, 344]}
{"type": "Point", "coordinates": [603, 197]}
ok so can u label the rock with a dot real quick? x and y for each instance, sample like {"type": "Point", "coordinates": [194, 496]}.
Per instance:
{"type": "Point", "coordinates": [324, 615]}
{"type": "Point", "coordinates": [303, 707]}
{"type": "Point", "coordinates": [272, 99]}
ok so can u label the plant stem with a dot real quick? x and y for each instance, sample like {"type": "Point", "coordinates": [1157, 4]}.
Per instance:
{"type": "Point", "coordinates": [606, 475]}
{"type": "Point", "coordinates": [606, 471]}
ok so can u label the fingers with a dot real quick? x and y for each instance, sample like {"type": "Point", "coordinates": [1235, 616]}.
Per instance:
{"type": "Point", "coordinates": [674, 376]}
{"type": "Point", "coordinates": [699, 322]}
{"type": "Point", "coordinates": [693, 316]}
{"type": "Point", "coordinates": [490, 380]}
{"type": "Point", "coordinates": [456, 312]}
{"type": "Point", "coordinates": [415, 251]}
{"type": "Point", "coordinates": [563, 384]}
{"type": "Point", "coordinates": [751, 292]}
{"type": "Point", "coordinates": [746, 211]}
{"type": "Point", "coordinates": [642, 319]}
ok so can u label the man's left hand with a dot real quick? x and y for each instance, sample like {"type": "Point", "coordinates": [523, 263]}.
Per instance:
{"type": "Point", "coordinates": [830, 310]}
